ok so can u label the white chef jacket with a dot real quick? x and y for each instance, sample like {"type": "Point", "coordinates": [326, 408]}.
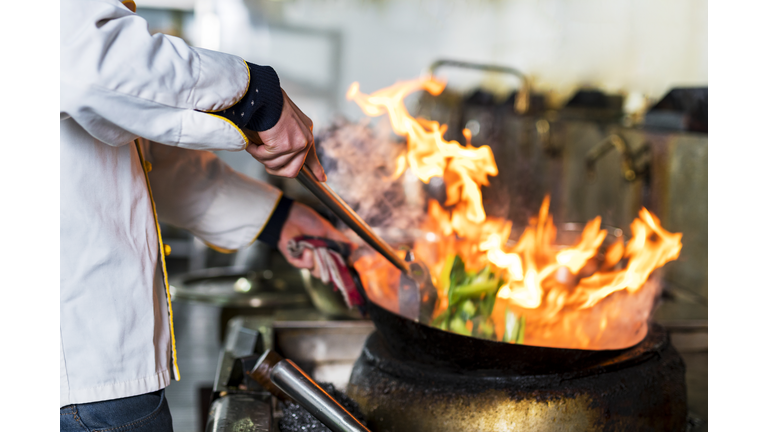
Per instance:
{"type": "Point", "coordinates": [130, 117]}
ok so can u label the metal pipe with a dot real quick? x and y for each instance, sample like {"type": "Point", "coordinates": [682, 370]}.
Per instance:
{"type": "Point", "coordinates": [523, 100]}
{"type": "Point", "coordinates": [469, 65]}
{"type": "Point", "coordinates": [294, 382]}
{"type": "Point", "coordinates": [350, 217]}
{"type": "Point", "coordinates": [286, 381]}
{"type": "Point", "coordinates": [301, 388]}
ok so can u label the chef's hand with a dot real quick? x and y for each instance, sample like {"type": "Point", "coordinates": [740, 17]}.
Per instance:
{"type": "Point", "coordinates": [303, 221]}
{"type": "Point", "coordinates": [288, 145]}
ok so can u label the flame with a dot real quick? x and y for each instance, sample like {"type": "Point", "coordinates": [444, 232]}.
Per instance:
{"type": "Point", "coordinates": [401, 164]}
{"type": "Point", "coordinates": [594, 294]}
{"type": "Point", "coordinates": [463, 168]}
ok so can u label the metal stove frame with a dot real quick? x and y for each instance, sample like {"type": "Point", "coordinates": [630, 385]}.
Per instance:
{"type": "Point", "coordinates": [325, 349]}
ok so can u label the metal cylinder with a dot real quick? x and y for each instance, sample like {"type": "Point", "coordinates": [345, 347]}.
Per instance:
{"type": "Point", "coordinates": [301, 388]}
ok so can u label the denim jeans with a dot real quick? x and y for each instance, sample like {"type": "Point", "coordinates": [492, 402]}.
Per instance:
{"type": "Point", "coordinates": [143, 413]}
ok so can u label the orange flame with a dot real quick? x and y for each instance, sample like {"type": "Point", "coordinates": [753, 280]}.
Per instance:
{"type": "Point", "coordinates": [584, 295]}
{"type": "Point", "coordinates": [401, 163]}
{"type": "Point", "coordinates": [463, 168]}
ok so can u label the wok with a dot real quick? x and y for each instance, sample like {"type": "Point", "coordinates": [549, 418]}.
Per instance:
{"type": "Point", "coordinates": [412, 341]}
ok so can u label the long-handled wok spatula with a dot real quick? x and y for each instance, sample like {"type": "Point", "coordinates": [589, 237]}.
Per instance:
{"type": "Point", "coordinates": [416, 293]}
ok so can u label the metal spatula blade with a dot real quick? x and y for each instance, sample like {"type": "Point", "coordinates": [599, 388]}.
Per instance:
{"type": "Point", "coordinates": [416, 294]}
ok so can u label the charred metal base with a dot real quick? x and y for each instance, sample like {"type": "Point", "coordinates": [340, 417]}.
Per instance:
{"type": "Point", "coordinates": [641, 389]}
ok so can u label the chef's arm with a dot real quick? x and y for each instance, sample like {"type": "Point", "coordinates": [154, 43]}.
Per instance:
{"type": "Point", "coordinates": [197, 191]}
{"type": "Point", "coordinates": [119, 82]}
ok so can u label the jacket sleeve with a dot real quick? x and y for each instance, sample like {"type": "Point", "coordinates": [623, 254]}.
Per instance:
{"type": "Point", "coordinates": [197, 191]}
{"type": "Point", "coordinates": [119, 82]}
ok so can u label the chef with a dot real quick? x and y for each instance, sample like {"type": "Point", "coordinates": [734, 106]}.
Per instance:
{"type": "Point", "coordinates": [139, 115]}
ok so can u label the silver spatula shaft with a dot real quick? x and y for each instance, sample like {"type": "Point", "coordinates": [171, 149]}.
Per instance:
{"type": "Point", "coordinates": [349, 217]}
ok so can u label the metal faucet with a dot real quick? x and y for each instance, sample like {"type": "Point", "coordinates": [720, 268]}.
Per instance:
{"type": "Point", "coordinates": [632, 163]}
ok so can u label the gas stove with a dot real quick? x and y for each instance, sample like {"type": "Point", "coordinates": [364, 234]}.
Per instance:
{"type": "Point", "coordinates": [612, 395]}
{"type": "Point", "coordinates": [640, 389]}
{"type": "Point", "coordinates": [325, 349]}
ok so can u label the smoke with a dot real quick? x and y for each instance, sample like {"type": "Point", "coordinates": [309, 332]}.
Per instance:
{"type": "Point", "coordinates": [360, 160]}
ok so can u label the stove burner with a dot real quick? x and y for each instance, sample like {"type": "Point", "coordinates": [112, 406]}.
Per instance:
{"type": "Point", "coordinates": [642, 388]}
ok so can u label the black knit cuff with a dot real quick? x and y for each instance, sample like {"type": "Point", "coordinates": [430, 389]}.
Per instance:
{"type": "Point", "coordinates": [271, 98]}
{"type": "Point", "coordinates": [262, 104]}
{"type": "Point", "coordinates": [271, 232]}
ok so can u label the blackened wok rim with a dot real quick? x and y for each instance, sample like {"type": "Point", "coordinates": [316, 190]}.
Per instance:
{"type": "Point", "coordinates": [462, 339]}
{"type": "Point", "coordinates": [529, 359]}
{"type": "Point", "coordinates": [539, 350]}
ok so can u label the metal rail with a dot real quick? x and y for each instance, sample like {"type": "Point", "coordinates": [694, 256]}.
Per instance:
{"type": "Point", "coordinates": [523, 100]}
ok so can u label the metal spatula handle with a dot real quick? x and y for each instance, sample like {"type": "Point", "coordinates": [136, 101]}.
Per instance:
{"type": "Point", "coordinates": [349, 217]}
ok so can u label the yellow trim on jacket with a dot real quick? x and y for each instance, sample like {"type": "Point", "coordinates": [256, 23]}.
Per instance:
{"type": "Point", "coordinates": [248, 70]}
{"type": "Point", "coordinates": [130, 4]}
{"type": "Point", "coordinates": [240, 131]}
{"type": "Point", "coordinates": [174, 356]}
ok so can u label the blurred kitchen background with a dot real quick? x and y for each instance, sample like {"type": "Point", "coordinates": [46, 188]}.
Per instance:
{"type": "Point", "coordinates": [602, 104]}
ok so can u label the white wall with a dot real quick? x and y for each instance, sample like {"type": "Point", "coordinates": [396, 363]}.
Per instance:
{"type": "Point", "coordinates": [645, 46]}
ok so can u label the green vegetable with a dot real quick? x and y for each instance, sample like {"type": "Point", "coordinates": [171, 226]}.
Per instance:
{"type": "Point", "coordinates": [445, 274]}
{"type": "Point", "coordinates": [457, 325]}
{"type": "Point", "coordinates": [514, 327]}
{"type": "Point", "coordinates": [521, 331]}
{"type": "Point", "coordinates": [471, 298]}
{"type": "Point", "coordinates": [458, 273]}
{"type": "Point", "coordinates": [473, 290]}
{"type": "Point", "coordinates": [487, 302]}
{"type": "Point", "coordinates": [466, 310]}
{"type": "Point", "coordinates": [441, 321]}
{"type": "Point", "coordinates": [482, 327]}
